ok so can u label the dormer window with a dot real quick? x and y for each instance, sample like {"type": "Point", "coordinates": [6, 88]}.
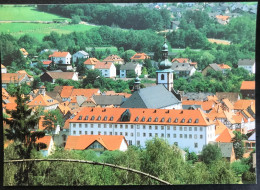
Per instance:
{"type": "Point", "coordinates": [197, 121]}
{"type": "Point", "coordinates": [156, 119]}
{"type": "Point", "coordinates": [143, 119]}
{"type": "Point", "coordinates": [189, 121]}
{"type": "Point", "coordinates": [163, 119]}
{"type": "Point", "coordinates": [169, 120]}
{"type": "Point", "coordinates": [105, 118]}
{"type": "Point", "coordinates": [111, 118]}
{"type": "Point", "coordinates": [183, 120]}
{"type": "Point", "coordinates": [86, 118]}
{"type": "Point", "coordinates": [137, 118]}
{"type": "Point", "coordinates": [149, 119]}
{"type": "Point", "coordinates": [93, 117]}
{"type": "Point", "coordinates": [99, 117]}
{"type": "Point", "coordinates": [80, 117]}
{"type": "Point", "coordinates": [176, 120]}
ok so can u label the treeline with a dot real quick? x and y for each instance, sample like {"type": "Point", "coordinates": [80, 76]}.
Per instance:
{"type": "Point", "coordinates": [136, 17]}
{"type": "Point", "coordinates": [158, 158]}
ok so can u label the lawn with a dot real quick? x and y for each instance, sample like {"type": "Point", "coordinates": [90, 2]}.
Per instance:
{"type": "Point", "coordinates": [25, 13]}
{"type": "Point", "coordinates": [39, 30]}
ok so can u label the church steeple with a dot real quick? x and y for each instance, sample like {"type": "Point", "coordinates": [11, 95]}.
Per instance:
{"type": "Point", "coordinates": [165, 63]}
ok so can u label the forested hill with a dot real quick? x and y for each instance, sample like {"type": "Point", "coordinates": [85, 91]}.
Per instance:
{"type": "Point", "coordinates": [138, 18]}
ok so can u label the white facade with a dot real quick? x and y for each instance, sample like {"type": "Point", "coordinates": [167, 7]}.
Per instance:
{"type": "Point", "coordinates": [3, 70]}
{"type": "Point", "coordinates": [138, 71]}
{"type": "Point", "coordinates": [50, 149]}
{"type": "Point", "coordinates": [79, 55]}
{"type": "Point", "coordinates": [109, 73]}
{"type": "Point", "coordinates": [63, 60]}
{"type": "Point", "coordinates": [165, 78]}
{"type": "Point", "coordinates": [249, 68]}
{"type": "Point", "coordinates": [192, 137]}
{"type": "Point", "coordinates": [91, 67]}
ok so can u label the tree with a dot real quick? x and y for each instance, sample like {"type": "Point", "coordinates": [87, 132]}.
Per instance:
{"type": "Point", "coordinates": [52, 119]}
{"type": "Point", "coordinates": [75, 19]}
{"type": "Point", "coordinates": [238, 145]}
{"type": "Point", "coordinates": [22, 122]}
{"type": "Point", "coordinates": [130, 74]}
{"type": "Point", "coordinates": [210, 153]}
{"type": "Point", "coordinates": [36, 82]}
{"type": "Point", "coordinates": [91, 77]}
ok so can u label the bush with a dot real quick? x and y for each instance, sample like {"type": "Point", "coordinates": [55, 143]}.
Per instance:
{"type": "Point", "coordinates": [249, 176]}
{"type": "Point", "coordinates": [239, 168]}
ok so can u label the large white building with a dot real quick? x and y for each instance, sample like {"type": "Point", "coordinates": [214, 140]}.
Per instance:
{"type": "Point", "coordinates": [185, 128]}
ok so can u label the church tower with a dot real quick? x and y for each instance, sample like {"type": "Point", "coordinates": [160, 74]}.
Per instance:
{"type": "Point", "coordinates": [165, 74]}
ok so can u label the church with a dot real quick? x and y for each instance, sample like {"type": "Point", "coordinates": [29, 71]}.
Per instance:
{"type": "Point", "coordinates": [161, 96]}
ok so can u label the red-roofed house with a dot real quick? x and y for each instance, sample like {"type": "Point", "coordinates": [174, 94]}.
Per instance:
{"type": "Point", "coordinates": [3, 69]}
{"type": "Point", "coordinates": [49, 143]}
{"type": "Point", "coordinates": [181, 60]}
{"type": "Point", "coordinates": [108, 69]}
{"type": "Point", "coordinates": [115, 59]}
{"type": "Point", "coordinates": [224, 67]}
{"type": "Point", "coordinates": [222, 19]}
{"type": "Point", "coordinates": [186, 128]}
{"type": "Point", "coordinates": [98, 143]}
{"type": "Point", "coordinates": [15, 78]}
{"type": "Point", "coordinates": [139, 57]}
{"type": "Point", "coordinates": [46, 63]}
{"type": "Point", "coordinates": [247, 89]}
{"type": "Point", "coordinates": [53, 76]}
{"type": "Point", "coordinates": [62, 59]}
{"type": "Point", "coordinates": [91, 62]}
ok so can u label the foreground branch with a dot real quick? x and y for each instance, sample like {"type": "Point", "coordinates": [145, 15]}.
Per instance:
{"type": "Point", "coordinates": [93, 163]}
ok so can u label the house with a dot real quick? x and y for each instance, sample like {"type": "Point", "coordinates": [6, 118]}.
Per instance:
{"type": "Point", "coordinates": [44, 101]}
{"type": "Point", "coordinates": [46, 63]}
{"type": "Point", "coordinates": [24, 52]}
{"type": "Point", "coordinates": [62, 60]}
{"type": "Point", "coordinates": [157, 97]}
{"type": "Point", "coordinates": [227, 151]}
{"type": "Point", "coordinates": [195, 95]}
{"type": "Point", "coordinates": [247, 64]}
{"type": "Point", "coordinates": [115, 59]}
{"type": "Point", "coordinates": [222, 19]}
{"type": "Point", "coordinates": [98, 143]}
{"type": "Point", "coordinates": [206, 106]}
{"type": "Point", "coordinates": [221, 67]}
{"type": "Point", "coordinates": [24, 72]}
{"type": "Point", "coordinates": [175, 25]}
{"type": "Point", "coordinates": [66, 92]}
{"type": "Point", "coordinates": [243, 104]}
{"type": "Point", "coordinates": [3, 69]}
{"type": "Point", "coordinates": [139, 57]}
{"type": "Point", "coordinates": [184, 128]}
{"type": "Point", "coordinates": [181, 60]}
{"type": "Point", "coordinates": [250, 142]}
{"type": "Point", "coordinates": [49, 143]}
{"type": "Point", "coordinates": [79, 55]}
{"type": "Point", "coordinates": [126, 95]}
{"type": "Point", "coordinates": [247, 89]}
{"type": "Point", "coordinates": [14, 78]}
{"type": "Point", "coordinates": [90, 63]}
{"type": "Point", "coordinates": [52, 76]}
{"type": "Point", "coordinates": [81, 101]}
{"type": "Point", "coordinates": [130, 67]}
{"type": "Point", "coordinates": [231, 96]}
{"type": "Point", "coordinates": [108, 100]}
{"type": "Point", "coordinates": [184, 70]}
{"type": "Point", "coordinates": [107, 69]}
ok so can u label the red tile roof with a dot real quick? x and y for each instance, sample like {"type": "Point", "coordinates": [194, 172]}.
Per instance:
{"type": "Point", "coordinates": [103, 65]}
{"type": "Point", "coordinates": [206, 105]}
{"type": "Point", "coordinates": [223, 66]}
{"type": "Point", "coordinates": [222, 17]}
{"type": "Point", "coordinates": [40, 124]}
{"type": "Point", "coordinates": [224, 137]}
{"type": "Point", "coordinates": [91, 61]}
{"type": "Point", "coordinates": [113, 58]}
{"type": "Point", "coordinates": [85, 92]}
{"type": "Point", "coordinates": [11, 77]}
{"type": "Point", "coordinates": [110, 142]}
{"type": "Point", "coordinates": [46, 62]}
{"type": "Point", "coordinates": [243, 104]}
{"type": "Point", "coordinates": [41, 100]}
{"type": "Point", "coordinates": [61, 75]}
{"type": "Point", "coordinates": [66, 91]}
{"type": "Point", "coordinates": [140, 56]}
{"type": "Point", "coordinates": [228, 103]}
{"type": "Point", "coordinates": [59, 54]}
{"type": "Point", "coordinates": [163, 116]}
{"type": "Point", "coordinates": [248, 85]}
{"type": "Point", "coordinates": [181, 60]}
{"type": "Point", "coordinates": [46, 140]}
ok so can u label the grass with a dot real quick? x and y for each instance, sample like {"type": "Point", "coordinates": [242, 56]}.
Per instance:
{"type": "Point", "coordinates": [25, 13]}
{"type": "Point", "coordinates": [39, 30]}
{"type": "Point", "coordinates": [113, 49]}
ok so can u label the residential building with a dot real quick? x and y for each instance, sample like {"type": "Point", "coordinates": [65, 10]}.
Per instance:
{"type": "Point", "coordinates": [195, 95]}
{"type": "Point", "coordinates": [185, 128]}
{"type": "Point", "coordinates": [227, 151]}
{"type": "Point", "coordinates": [247, 89]}
{"type": "Point", "coordinates": [79, 55]}
{"type": "Point", "coordinates": [216, 67]}
{"type": "Point", "coordinates": [107, 69]}
{"type": "Point", "coordinates": [14, 78]}
{"type": "Point", "coordinates": [50, 148]}
{"type": "Point", "coordinates": [247, 64]}
{"type": "Point", "coordinates": [3, 69]}
{"type": "Point", "coordinates": [130, 67]}
{"type": "Point", "coordinates": [108, 100]}
{"type": "Point", "coordinates": [115, 59]}
{"type": "Point", "coordinates": [46, 63]}
{"type": "Point", "coordinates": [139, 57]}
{"type": "Point", "coordinates": [98, 143]}
{"type": "Point", "coordinates": [184, 70]}
{"type": "Point", "coordinates": [222, 19]}
{"type": "Point", "coordinates": [90, 63]}
{"type": "Point", "coordinates": [224, 67]}
{"type": "Point", "coordinates": [181, 60]}
{"type": "Point", "coordinates": [231, 96]}
{"type": "Point", "coordinates": [52, 76]}
{"type": "Point", "coordinates": [206, 106]}
{"type": "Point", "coordinates": [157, 97]}
{"type": "Point", "coordinates": [62, 60]}
{"type": "Point", "coordinates": [24, 72]}
{"type": "Point", "coordinates": [250, 142]}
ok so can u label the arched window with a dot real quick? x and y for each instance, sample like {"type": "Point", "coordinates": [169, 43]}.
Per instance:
{"type": "Point", "coordinates": [162, 77]}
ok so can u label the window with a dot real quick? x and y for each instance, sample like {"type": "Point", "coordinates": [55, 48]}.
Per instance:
{"type": "Point", "coordinates": [110, 133]}
{"type": "Point", "coordinates": [190, 136]}
{"type": "Point", "coordinates": [121, 126]}
{"type": "Point", "coordinates": [121, 133]}
{"type": "Point", "coordinates": [180, 128]}
{"type": "Point", "coordinates": [144, 134]}
{"type": "Point", "coordinates": [174, 128]}
{"type": "Point", "coordinates": [132, 126]}
{"type": "Point", "coordinates": [156, 134]}
{"type": "Point", "coordinates": [162, 76]}
{"type": "Point", "coordinates": [92, 132]}
{"type": "Point", "coordinates": [185, 128]}
{"type": "Point", "coordinates": [168, 135]}
{"type": "Point", "coordinates": [201, 129]}
{"type": "Point", "coordinates": [143, 126]}
{"type": "Point", "coordinates": [105, 125]}
{"type": "Point", "coordinates": [80, 132]}
{"type": "Point", "coordinates": [74, 125]}
{"type": "Point", "coordinates": [174, 135]}
{"type": "Point", "coordinates": [138, 134]}
{"type": "Point", "coordinates": [138, 142]}
{"type": "Point", "coordinates": [130, 142]}
{"type": "Point", "coordinates": [86, 132]}
{"type": "Point", "coordinates": [86, 125]}
{"type": "Point", "coordinates": [195, 136]}
{"type": "Point", "coordinates": [195, 145]}
{"type": "Point", "coordinates": [190, 128]}
{"type": "Point", "coordinates": [201, 136]}
{"type": "Point", "coordinates": [132, 134]}
{"type": "Point", "coordinates": [168, 127]}
{"type": "Point", "coordinates": [115, 126]}
{"type": "Point", "coordinates": [150, 127]}
{"type": "Point", "coordinates": [185, 136]}
{"type": "Point", "coordinates": [180, 135]}
{"type": "Point", "coordinates": [161, 127]}
{"type": "Point", "coordinates": [195, 128]}
{"type": "Point", "coordinates": [105, 133]}
{"type": "Point", "coordinates": [175, 143]}
{"type": "Point", "coordinates": [126, 134]}
{"type": "Point", "coordinates": [156, 127]}
{"type": "Point", "coordinates": [162, 134]}
{"type": "Point", "coordinates": [99, 125]}
{"type": "Point", "coordinates": [115, 133]}
{"type": "Point", "coordinates": [79, 125]}
{"type": "Point", "coordinates": [150, 135]}
{"type": "Point", "coordinates": [91, 125]}
{"type": "Point", "coordinates": [110, 126]}
{"type": "Point", "coordinates": [126, 126]}
{"type": "Point", "coordinates": [137, 126]}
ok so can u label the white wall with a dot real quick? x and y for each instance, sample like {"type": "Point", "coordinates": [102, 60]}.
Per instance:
{"type": "Point", "coordinates": [65, 60]}
{"type": "Point", "coordinates": [78, 55]}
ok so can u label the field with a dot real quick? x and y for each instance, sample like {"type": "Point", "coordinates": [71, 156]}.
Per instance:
{"type": "Point", "coordinates": [25, 13]}
{"type": "Point", "coordinates": [112, 49]}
